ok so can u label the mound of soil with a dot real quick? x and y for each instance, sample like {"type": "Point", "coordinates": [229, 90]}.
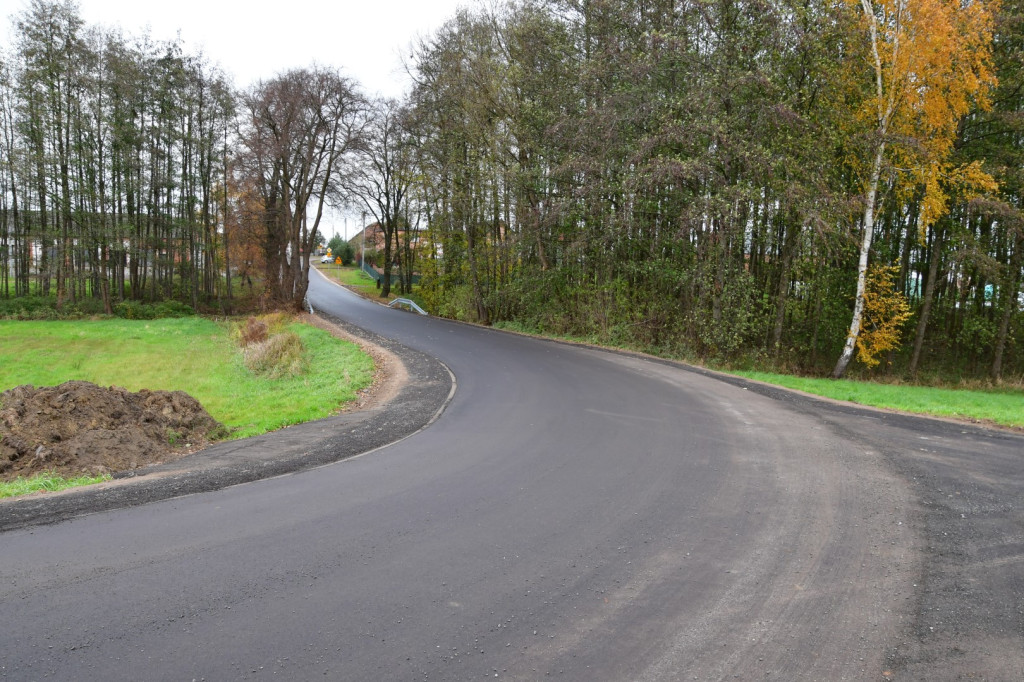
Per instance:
{"type": "Point", "coordinates": [81, 428]}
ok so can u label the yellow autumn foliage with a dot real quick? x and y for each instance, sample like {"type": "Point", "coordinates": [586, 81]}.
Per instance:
{"type": "Point", "coordinates": [942, 180]}
{"type": "Point", "coordinates": [933, 64]}
{"type": "Point", "coordinates": [885, 311]}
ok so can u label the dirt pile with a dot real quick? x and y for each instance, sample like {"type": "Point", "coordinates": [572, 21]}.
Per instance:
{"type": "Point", "coordinates": [81, 428]}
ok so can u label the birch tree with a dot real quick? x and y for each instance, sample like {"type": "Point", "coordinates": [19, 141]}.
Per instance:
{"type": "Point", "coordinates": [929, 62]}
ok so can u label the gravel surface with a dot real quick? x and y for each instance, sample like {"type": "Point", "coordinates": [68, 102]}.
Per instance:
{"type": "Point", "coordinates": [967, 483]}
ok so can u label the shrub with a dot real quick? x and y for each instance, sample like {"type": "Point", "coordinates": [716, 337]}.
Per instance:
{"type": "Point", "coordinates": [136, 310]}
{"type": "Point", "coordinates": [348, 254]}
{"type": "Point", "coordinates": [45, 308]}
{"type": "Point", "coordinates": [133, 310]}
{"type": "Point", "coordinates": [371, 256]}
{"type": "Point", "coordinates": [336, 244]}
{"type": "Point", "coordinates": [458, 304]}
{"type": "Point", "coordinates": [886, 309]}
{"type": "Point", "coordinates": [173, 309]}
{"type": "Point", "coordinates": [24, 308]}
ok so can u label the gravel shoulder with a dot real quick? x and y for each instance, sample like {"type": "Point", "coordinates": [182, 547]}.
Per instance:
{"type": "Point", "coordinates": [966, 612]}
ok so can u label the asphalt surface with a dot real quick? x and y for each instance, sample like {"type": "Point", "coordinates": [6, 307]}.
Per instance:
{"type": "Point", "coordinates": [573, 514]}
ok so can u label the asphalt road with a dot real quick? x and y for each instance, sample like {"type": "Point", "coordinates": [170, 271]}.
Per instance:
{"type": "Point", "coordinates": [574, 514]}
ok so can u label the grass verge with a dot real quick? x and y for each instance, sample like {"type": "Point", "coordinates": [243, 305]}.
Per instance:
{"type": "Point", "coordinates": [348, 275]}
{"type": "Point", "coordinates": [194, 355]}
{"type": "Point", "coordinates": [362, 284]}
{"type": "Point", "coordinates": [999, 406]}
{"type": "Point", "coordinates": [48, 482]}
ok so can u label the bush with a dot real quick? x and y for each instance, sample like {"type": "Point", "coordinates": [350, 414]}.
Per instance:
{"type": "Point", "coordinates": [30, 308]}
{"type": "Point", "coordinates": [458, 304]}
{"type": "Point", "coordinates": [45, 308]}
{"type": "Point", "coordinates": [135, 310]}
{"type": "Point", "coordinates": [173, 309]}
{"type": "Point", "coordinates": [336, 245]}
{"type": "Point", "coordinates": [372, 257]}
{"type": "Point", "coordinates": [348, 254]}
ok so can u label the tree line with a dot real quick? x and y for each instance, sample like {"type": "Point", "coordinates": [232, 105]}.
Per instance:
{"type": "Point", "coordinates": [786, 182]}
{"type": "Point", "coordinates": [131, 170]}
{"type": "Point", "coordinates": [113, 164]}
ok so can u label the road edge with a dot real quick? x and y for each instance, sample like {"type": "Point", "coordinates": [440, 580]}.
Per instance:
{"type": "Point", "coordinates": [419, 402]}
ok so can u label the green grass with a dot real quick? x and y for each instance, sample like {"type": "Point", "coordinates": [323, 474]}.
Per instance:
{"type": "Point", "coordinates": [352, 276]}
{"type": "Point", "coordinates": [347, 275]}
{"type": "Point", "coordinates": [1001, 406]}
{"type": "Point", "coordinates": [194, 355]}
{"type": "Point", "coordinates": [48, 482]}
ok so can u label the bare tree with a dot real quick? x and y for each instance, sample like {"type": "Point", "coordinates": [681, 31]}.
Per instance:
{"type": "Point", "coordinates": [301, 126]}
{"type": "Point", "coordinates": [382, 178]}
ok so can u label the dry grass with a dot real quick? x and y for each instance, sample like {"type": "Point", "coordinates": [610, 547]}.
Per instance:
{"type": "Point", "coordinates": [269, 348]}
{"type": "Point", "coordinates": [280, 355]}
{"type": "Point", "coordinates": [253, 331]}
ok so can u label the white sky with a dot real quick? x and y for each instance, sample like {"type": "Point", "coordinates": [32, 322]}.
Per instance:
{"type": "Point", "coordinates": [252, 40]}
{"type": "Point", "coordinates": [366, 39]}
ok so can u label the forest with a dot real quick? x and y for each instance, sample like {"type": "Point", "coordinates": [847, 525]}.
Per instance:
{"type": "Point", "coordinates": [815, 186]}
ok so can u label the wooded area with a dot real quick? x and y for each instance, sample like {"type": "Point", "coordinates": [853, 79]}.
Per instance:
{"type": "Point", "coordinates": [722, 179]}
{"type": "Point", "coordinates": [778, 182]}
{"type": "Point", "coordinates": [113, 154]}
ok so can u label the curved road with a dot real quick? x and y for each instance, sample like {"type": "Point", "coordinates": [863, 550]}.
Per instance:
{"type": "Point", "coordinates": [574, 514]}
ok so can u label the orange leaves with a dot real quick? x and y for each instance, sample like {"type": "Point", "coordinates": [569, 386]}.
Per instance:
{"type": "Point", "coordinates": [885, 311]}
{"type": "Point", "coordinates": [941, 180]}
{"type": "Point", "coordinates": [954, 71]}
{"type": "Point", "coordinates": [932, 63]}
{"type": "Point", "coordinates": [970, 181]}
{"type": "Point", "coordinates": [934, 203]}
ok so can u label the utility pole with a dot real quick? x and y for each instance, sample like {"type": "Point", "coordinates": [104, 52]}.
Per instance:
{"type": "Point", "coordinates": [362, 258]}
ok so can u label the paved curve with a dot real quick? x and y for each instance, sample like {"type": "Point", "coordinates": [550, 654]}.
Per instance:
{"type": "Point", "coordinates": [575, 514]}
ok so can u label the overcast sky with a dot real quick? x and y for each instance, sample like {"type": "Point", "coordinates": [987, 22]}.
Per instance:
{"type": "Point", "coordinates": [366, 39]}
{"type": "Point", "coordinates": [252, 40]}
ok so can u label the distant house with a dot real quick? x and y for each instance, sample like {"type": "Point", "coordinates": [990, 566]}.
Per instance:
{"type": "Point", "coordinates": [373, 235]}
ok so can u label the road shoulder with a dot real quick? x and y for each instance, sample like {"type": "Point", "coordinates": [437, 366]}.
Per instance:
{"type": "Point", "coordinates": [407, 396]}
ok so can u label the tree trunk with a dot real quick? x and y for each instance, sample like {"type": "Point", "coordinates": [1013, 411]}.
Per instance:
{"type": "Point", "coordinates": [1010, 297]}
{"type": "Point", "coordinates": [474, 276]}
{"type": "Point", "coordinates": [926, 301]}
{"type": "Point", "coordinates": [862, 266]}
{"type": "Point", "coordinates": [385, 281]}
{"type": "Point", "coordinates": [782, 290]}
